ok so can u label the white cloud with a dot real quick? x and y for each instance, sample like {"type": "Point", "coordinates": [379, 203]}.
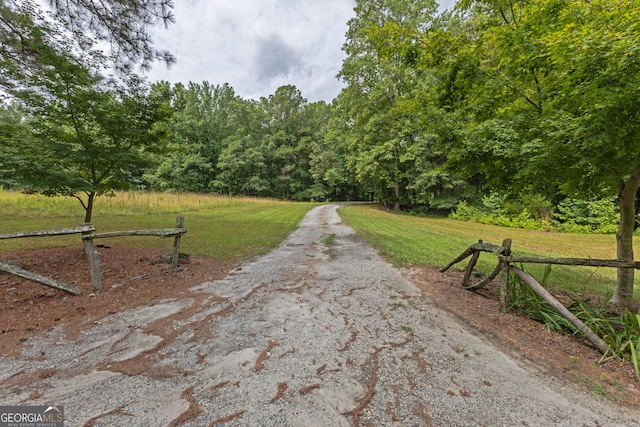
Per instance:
{"type": "Point", "coordinates": [258, 45]}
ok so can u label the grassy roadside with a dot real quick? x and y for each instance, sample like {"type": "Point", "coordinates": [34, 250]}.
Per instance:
{"type": "Point", "coordinates": [226, 228]}
{"type": "Point", "coordinates": [435, 241]}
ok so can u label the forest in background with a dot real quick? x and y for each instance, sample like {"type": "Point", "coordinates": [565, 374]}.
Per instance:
{"type": "Point", "coordinates": [496, 104]}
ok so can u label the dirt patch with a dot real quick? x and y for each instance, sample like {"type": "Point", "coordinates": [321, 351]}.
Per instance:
{"type": "Point", "coordinates": [572, 360]}
{"type": "Point", "coordinates": [133, 277]}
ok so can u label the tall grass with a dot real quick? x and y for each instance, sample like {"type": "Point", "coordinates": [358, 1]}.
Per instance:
{"type": "Point", "coordinates": [408, 239]}
{"type": "Point", "coordinates": [226, 228]}
{"type": "Point", "coordinates": [122, 203]}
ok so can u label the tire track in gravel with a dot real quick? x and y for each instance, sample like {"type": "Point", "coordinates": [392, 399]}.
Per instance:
{"type": "Point", "coordinates": [312, 334]}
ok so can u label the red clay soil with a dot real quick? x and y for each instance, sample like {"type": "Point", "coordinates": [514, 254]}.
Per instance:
{"type": "Point", "coordinates": [134, 276]}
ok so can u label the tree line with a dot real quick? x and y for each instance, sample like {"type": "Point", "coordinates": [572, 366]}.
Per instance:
{"type": "Point", "coordinates": [532, 101]}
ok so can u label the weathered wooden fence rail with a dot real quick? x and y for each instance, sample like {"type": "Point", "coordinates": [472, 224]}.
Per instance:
{"type": "Point", "coordinates": [585, 262]}
{"type": "Point", "coordinates": [473, 251]}
{"type": "Point", "coordinates": [34, 277]}
{"type": "Point", "coordinates": [88, 236]}
{"type": "Point", "coordinates": [505, 259]}
{"type": "Point", "coordinates": [545, 295]}
{"type": "Point", "coordinates": [94, 258]}
{"type": "Point", "coordinates": [47, 233]}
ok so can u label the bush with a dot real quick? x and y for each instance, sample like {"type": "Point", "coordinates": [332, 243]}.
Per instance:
{"type": "Point", "coordinates": [596, 216]}
{"type": "Point", "coordinates": [464, 212]}
{"type": "Point", "coordinates": [574, 216]}
{"type": "Point", "coordinates": [537, 206]}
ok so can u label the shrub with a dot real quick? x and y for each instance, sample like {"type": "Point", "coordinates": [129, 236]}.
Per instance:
{"type": "Point", "coordinates": [574, 216]}
{"type": "Point", "coordinates": [582, 216]}
{"type": "Point", "coordinates": [537, 206]}
{"type": "Point", "coordinates": [464, 212]}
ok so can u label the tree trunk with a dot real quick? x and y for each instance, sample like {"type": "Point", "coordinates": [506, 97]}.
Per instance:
{"type": "Point", "coordinates": [396, 180]}
{"type": "Point", "coordinates": [396, 194]}
{"type": "Point", "coordinates": [88, 211]}
{"type": "Point", "coordinates": [623, 293]}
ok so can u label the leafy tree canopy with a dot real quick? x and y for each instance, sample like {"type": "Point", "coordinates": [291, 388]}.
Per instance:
{"type": "Point", "coordinates": [29, 32]}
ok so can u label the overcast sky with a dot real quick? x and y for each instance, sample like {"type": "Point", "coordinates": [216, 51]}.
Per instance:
{"type": "Point", "coordinates": [258, 45]}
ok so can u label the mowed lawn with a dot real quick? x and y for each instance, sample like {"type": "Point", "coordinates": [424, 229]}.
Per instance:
{"type": "Point", "coordinates": [228, 228]}
{"type": "Point", "coordinates": [406, 239]}
{"type": "Point", "coordinates": [236, 229]}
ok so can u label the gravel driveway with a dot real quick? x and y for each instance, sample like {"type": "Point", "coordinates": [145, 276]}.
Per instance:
{"type": "Point", "coordinates": [319, 332]}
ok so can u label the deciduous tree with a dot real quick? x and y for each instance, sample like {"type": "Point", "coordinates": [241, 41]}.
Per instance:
{"type": "Point", "coordinates": [555, 103]}
{"type": "Point", "coordinates": [380, 99]}
{"type": "Point", "coordinates": [87, 144]}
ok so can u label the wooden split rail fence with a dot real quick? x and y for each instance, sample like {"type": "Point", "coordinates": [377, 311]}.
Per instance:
{"type": "Point", "coordinates": [88, 236]}
{"type": "Point", "coordinates": [505, 261]}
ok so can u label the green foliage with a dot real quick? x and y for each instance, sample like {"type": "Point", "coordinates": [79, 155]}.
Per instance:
{"type": "Point", "coordinates": [433, 188]}
{"type": "Point", "coordinates": [17, 143]}
{"type": "Point", "coordinates": [573, 216]}
{"type": "Point", "coordinates": [382, 103]}
{"type": "Point", "coordinates": [330, 239]}
{"type": "Point", "coordinates": [33, 36]}
{"type": "Point", "coordinates": [525, 301]}
{"type": "Point", "coordinates": [536, 204]}
{"type": "Point", "coordinates": [620, 332]}
{"type": "Point", "coordinates": [202, 120]}
{"type": "Point", "coordinates": [553, 103]}
{"type": "Point", "coordinates": [464, 212]}
{"type": "Point", "coordinates": [581, 216]}
{"type": "Point", "coordinates": [87, 141]}
{"type": "Point", "coordinates": [224, 144]}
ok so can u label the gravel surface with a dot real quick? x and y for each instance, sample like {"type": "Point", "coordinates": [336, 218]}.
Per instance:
{"type": "Point", "coordinates": [319, 332]}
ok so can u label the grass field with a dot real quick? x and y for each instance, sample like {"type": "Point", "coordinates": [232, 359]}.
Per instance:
{"type": "Point", "coordinates": [237, 229]}
{"type": "Point", "coordinates": [408, 239]}
{"type": "Point", "coordinates": [222, 227]}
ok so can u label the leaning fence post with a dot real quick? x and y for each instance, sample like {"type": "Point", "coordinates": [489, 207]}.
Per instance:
{"type": "Point", "coordinates": [470, 267]}
{"type": "Point", "coordinates": [94, 260]}
{"type": "Point", "coordinates": [504, 285]}
{"type": "Point", "coordinates": [546, 296]}
{"type": "Point", "coordinates": [176, 242]}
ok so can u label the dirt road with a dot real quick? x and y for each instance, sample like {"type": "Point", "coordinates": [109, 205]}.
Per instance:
{"type": "Point", "coordinates": [319, 332]}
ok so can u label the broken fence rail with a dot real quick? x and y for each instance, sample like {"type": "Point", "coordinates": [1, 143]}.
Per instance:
{"type": "Point", "coordinates": [34, 277]}
{"type": "Point", "coordinates": [504, 264]}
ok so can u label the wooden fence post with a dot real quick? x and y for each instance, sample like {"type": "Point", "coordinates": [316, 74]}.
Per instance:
{"type": "Point", "coordinates": [176, 243]}
{"type": "Point", "coordinates": [470, 267]}
{"type": "Point", "coordinates": [504, 285]}
{"type": "Point", "coordinates": [94, 261]}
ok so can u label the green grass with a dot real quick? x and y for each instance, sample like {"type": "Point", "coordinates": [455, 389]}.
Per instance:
{"type": "Point", "coordinates": [330, 239]}
{"type": "Point", "coordinates": [236, 229]}
{"type": "Point", "coordinates": [405, 239]}
{"type": "Point", "coordinates": [232, 229]}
